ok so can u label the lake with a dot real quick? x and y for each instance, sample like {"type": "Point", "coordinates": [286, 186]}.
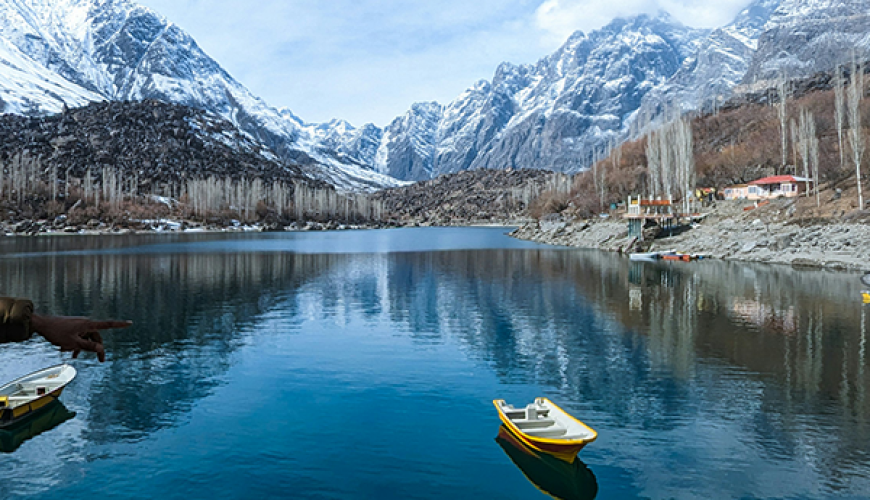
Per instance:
{"type": "Point", "coordinates": [363, 364]}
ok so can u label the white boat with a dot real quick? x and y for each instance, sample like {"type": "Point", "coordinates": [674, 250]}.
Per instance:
{"type": "Point", "coordinates": [547, 428]}
{"type": "Point", "coordinates": [28, 394]}
{"type": "Point", "coordinates": [649, 256]}
{"type": "Point", "coordinates": [645, 256]}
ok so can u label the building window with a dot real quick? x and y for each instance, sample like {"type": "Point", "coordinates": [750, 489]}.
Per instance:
{"type": "Point", "coordinates": [753, 189]}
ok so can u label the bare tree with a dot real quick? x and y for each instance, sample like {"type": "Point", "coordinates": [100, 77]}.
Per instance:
{"type": "Point", "coordinates": [801, 137]}
{"type": "Point", "coordinates": [599, 175]}
{"type": "Point", "coordinates": [839, 110]}
{"type": "Point", "coordinates": [671, 161]}
{"type": "Point", "coordinates": [653, 158]}
{"type": "Point", "coordinates": [795, 139]}
{"type": "Point", "coordinates": [814, 157]}
{"type": "Point", "coordinates": [855, 94]}
{"type": "Point", "coordinates": [685, 161]}
{"type": "Point", "coordinates": [782, 91]}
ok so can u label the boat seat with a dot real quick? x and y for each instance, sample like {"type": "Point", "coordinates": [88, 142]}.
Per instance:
{"type": "Point", "coordinates": [524, 423]}
{"type": "Point", "coordinates": [554, 431]}
{"type": "Point", "coordinates": [32, 386]}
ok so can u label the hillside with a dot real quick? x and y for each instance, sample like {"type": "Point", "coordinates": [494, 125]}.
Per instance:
{"type": "Point", "coordinates": [739, 144]}
{"type": "Point", "coordinates": [474, 196]}
{"type": "Point", "coordinates": [127, 163]}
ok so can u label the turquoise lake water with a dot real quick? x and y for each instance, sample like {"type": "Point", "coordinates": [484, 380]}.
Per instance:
{"type": "Point", "coordinates": [363, 364]}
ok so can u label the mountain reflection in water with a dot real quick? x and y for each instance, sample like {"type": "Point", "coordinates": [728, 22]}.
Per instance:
{"type": "Point", "coordinates": [693, 373]}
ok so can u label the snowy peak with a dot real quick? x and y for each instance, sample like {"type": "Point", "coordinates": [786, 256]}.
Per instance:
{"type": "Point", "coordinates": [809, 36]}
{"type": "Point", "coordinates": [709, 75]}
{"type": "Point", "coordinates": [550, 115]}
{"type": "Point", "coordinates": [800, 11]}
{"type": "Point", "coordinates": [70, 52]}
{"type": "Point", "coordinates": [407, 149]}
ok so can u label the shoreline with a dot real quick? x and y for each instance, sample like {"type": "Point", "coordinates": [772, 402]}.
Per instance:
{"type": "Point", "coordinates": [729, 232]}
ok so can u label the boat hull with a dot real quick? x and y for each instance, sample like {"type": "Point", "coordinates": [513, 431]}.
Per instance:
{"type": "Point", "coordinates": [565, 452]}
{"type": "Point", "coordinates": [12, 416]}
{"type": "Point", "coordinates": [45, 419]}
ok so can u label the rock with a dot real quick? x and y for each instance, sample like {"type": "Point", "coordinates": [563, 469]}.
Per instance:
{"type": "Point", "coordinates": [782, 242]}
{"type": "Point", "coordinates": [803, 262]}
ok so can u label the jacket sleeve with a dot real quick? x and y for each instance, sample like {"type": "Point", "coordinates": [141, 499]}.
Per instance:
{"type": "Point", "coordinates": [15, 317]}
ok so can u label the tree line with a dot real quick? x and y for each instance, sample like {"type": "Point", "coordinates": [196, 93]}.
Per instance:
{"type": "Point", "coordinates": [26, 182]}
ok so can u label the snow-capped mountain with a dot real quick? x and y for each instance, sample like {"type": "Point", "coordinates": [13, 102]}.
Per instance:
{"type": "Point", "coordinates": [804, 37]}
{"type": "Point", "coordinates": [601, 88]}
{"type": "Point", "coordinates": [720, 63]}
{"type": "Point", "coordinates": [557, 114]}
{"type": "Point", "coordinates": [69, 52]}
{"type": "Point", "coordinates": [551, 115]}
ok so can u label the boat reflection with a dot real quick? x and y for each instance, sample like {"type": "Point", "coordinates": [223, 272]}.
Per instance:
{"type": "Point", "coordinates": [47, 418]}
{"type": "Point", "coordinates": [555, 477]}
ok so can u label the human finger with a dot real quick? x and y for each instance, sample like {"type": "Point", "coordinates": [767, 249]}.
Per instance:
{"type": "Point", "coordinates": [95, 336]}
{"type": "Point", "coordinates": [105, 325]}
{"type": "Point", "coordinates": [91, 346]}
{"type": "Point", "coordinates": [98, 341]}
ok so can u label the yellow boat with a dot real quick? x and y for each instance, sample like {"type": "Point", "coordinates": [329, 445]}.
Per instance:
{"type": "Point", "coordinates": [47, 418]}
{"type": "Point", "coordinates": [545, 427]}
{"type": "Point", "coordinates": [30, 393]}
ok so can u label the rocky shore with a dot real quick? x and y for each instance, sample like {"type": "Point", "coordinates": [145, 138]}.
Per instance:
{"type": "Point", "coordinates": [730, 230]}
{"type": "Point", "coordinates": [169, 225]}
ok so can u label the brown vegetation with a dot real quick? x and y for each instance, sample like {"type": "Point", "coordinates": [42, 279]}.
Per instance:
{"type": "Point", "coordinates": [735, 146]}
{"type": "Point", "coordinates": [128, 163]}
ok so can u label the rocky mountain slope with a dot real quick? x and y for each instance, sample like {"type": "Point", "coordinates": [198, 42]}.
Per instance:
{"type": "Point", "coordinates": [551, 115]}
{"type": "Point", "coordinates": [604, 87]}
{"type": "Point", "coordinates": [805, 37]}
{"type": "Point", "coordinates": [158, 144]}
{"type": "Point", "coordinates": [70, 52]}
{"type": "Point", "coordinates": [475, 196]}
{"type": "Point", "coordinates": [720, 63]}
{"type": "Point", "coordinates": [597, 90]}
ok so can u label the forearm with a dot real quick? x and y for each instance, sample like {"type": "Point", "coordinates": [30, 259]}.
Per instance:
{"type": "Point", "coordinates": [16, 317]}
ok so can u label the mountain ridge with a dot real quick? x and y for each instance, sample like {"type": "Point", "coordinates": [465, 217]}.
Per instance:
{"type": "Point", "coordinates": [118, 50]}
{"type": "Point", "coordinates": [560, 113]}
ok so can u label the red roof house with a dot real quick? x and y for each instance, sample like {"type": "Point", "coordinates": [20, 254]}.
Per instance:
{"type": "Point", "coordinates": [786, 186]}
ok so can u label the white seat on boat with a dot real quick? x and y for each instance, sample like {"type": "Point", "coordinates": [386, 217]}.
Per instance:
{"type": "Point", "coordinates": [524, 424]}
{"type": "Point", "coordinates": [554, 431]}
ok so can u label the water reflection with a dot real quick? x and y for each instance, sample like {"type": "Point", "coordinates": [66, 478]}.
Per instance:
{"type": "Point", "coordinates": [190, 314]}
{"type": "Point", "coordinates": [46, 419]}
{"type": "Point", "coordinates": [552, 476]}
{"type": "Point", "coordinates": [747, 370]}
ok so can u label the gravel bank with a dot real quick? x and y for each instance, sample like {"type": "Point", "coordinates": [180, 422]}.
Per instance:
{"type": "Point", "coordinates": [766, 234]}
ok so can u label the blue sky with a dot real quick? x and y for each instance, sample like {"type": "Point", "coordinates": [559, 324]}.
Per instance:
{"type": "Point", "coordinates": [369, 60]}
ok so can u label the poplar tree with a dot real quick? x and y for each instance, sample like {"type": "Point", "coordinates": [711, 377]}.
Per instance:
{"type": "Point", "coordinates": [782, 90]}
{"type": "Point", "coordinates": [839, 110]}
{"type": "Point", "coordinates": [856, 134]}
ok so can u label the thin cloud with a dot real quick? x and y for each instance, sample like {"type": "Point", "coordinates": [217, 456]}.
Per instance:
{"type": "Point", "coordinates": [559, 18]}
